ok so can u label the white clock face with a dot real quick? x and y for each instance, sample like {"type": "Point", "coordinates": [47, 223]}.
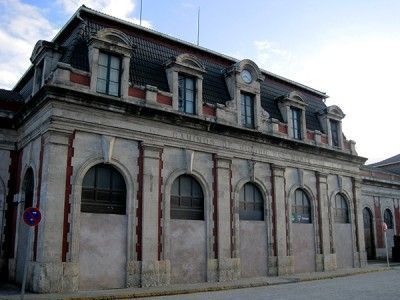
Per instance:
{"type": "Point", "coordinates": [246, 76]}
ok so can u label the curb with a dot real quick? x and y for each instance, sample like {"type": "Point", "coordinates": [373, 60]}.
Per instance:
{"type": "Point", "coordinates": [206, 287]}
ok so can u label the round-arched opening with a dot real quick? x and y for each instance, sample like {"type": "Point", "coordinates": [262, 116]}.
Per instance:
{"type": "Point", "coordinates": [301, 208]}
{"type": "Point", "coordinates": [103, 191]}
{"type": "Point", "coordinates": [187, 199]}
{"type": "Point", "coordinates": [341, 209]}
{"type": "Point", "coordinates": [251, 204]}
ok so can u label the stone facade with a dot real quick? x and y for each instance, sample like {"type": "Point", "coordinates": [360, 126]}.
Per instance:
{"type": "Point", "coordinates": [65, 128]}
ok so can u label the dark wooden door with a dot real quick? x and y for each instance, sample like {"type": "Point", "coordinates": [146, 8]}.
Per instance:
{"type": "Point", "coordinates": [369, 233]}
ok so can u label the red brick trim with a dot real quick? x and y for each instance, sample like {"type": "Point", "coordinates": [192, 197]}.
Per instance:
{"type": "Point", "coordinates": [379, 228]}
{"type": "Point", "coordinates": [282, 128]}
{"type": "Point", "coordinates": [80, 79]}
{"type": "Point", "coordinates": [310, 135]}
{"type": "Point", "coordinates": [14, 171]}
{"type": "Point", "coordinates": [353, 182]}
{"type": "Point", "coordinates": [209, 111]}
{"type": "Point", "coordinates": [162, 99]}
{"type": "Point", "coordinates": [39, 187]}
{"type": "Point", "coordinates": [397, 219]}
{"type": "Point", "coordinates": [319, 213]}
{"type": "Point", "coordinates": [135, 92]}
{"type": "Point", "coordinates": [273, 213]}
{"type": "Point", "coordinates": [160, 215]}
{"type": "Point", "coordinates": [68, 190]}
{"type": "Point", "coordinates": [139, 213]}
{"type": "Point", "coordinates": [232, 212]}
{"type": "Point", "coordinates": [215, 205]}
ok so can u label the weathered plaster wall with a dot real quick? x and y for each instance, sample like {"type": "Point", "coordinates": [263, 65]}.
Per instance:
{"type": "Point", "coordinates": [344, 246]}
{"type": "Point", "coordinates": [253, 248]}
{"type": "Point", "coordinates": [102, 251]}
{"type": "Point", "coordinates": [188, 251]}
{"type": "Point", "coordinates": [303, 244]}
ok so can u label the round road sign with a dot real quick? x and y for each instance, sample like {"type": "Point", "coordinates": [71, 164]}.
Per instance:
{"type": "Point", "coordinates": [32, 216]}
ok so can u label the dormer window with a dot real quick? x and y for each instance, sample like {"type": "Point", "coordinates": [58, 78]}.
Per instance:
{"type": "Point", "coordinates": [296, 123]}
{"type": "Point", "coordinates": [335, 133]}
{"type": "Point", "coordinates": [293, 110]}
{"type": "Point", "coordinates": [110, 51]}
{"type": "Point", "coordinates": [185, 80]}
{"type": "Point", "coordinates": [187, 94]}
{"type": "Point", "coordinates": [243, 80]}
{"type": "Point", "coordinates": [109, 74]}
{"type": "Point", "coordinates": [39, 76]}
{"type": "Point", "coordinates": [247, 110]}
{"type": "Point", "coordinates": [331, 122]}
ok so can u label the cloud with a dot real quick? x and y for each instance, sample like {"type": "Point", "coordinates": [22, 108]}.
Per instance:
{"type": "Point", "coordinates": [271, 57]}
{"type": "Point", "coordinates": [360, 74]}
{"type": "Point", "coordinates": [122, 9]}
{"type": "Point", "coordinates": [21, 26]}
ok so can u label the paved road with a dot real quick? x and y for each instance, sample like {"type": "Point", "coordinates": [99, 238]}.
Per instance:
{"type": "Point", "coordinates": [377, 285]}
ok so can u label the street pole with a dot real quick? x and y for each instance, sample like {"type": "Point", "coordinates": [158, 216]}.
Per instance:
{"type": "Point", "coordinates": [387, 252]}
{"type": "Point", "coordinates": [28, 251]}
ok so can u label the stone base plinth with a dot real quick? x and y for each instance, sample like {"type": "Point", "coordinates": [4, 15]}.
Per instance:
{"type": "Point", "coordinates": [285, 265]}
{"type": "Point", "coordinates": [148, 273]}
{"type": "Point", "coordinates": [329, 262]}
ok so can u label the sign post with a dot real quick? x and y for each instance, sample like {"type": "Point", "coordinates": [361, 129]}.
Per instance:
{"type": "Point", "coordinates": [386, 244]}
{"type": "Point", "coordinates": [31, 217]}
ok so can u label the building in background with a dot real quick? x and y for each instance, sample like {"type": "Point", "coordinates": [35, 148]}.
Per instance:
{"type": "Point", "coordinates": [156, 162]}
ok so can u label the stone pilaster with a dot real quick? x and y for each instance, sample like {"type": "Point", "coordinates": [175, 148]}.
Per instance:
{"type": "Point", "coordinates": [328, 259]}
{"type": "Point", "coordinates": [359, 225]}
{"type": "Point", "coordinates": [153, 272]}
{"type": "Point", "coordinates": [228, 267]}
{"type": "Point", "coordinates": [47, 270]}
{"type": "Point", "coordinates": [284, 261]}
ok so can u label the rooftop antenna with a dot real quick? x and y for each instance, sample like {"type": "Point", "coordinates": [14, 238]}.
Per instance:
{"type": "Point", "coordinates": [198, 26]}
{"type": "Point", "coordinates": [140, 20]}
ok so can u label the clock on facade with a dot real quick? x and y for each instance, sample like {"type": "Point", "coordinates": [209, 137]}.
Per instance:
{"type": "Point", "coordinates": [246, 76]}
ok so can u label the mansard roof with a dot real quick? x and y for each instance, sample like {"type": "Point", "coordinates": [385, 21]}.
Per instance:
{"type": "Point", "coordinates": [391, 164]}
{"type": "Point", "coordinates": [10, 96]}
{"type": "Point", "coordinates": [152, 49]}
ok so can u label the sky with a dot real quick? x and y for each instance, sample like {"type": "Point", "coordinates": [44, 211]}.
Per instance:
{"type": "Point", "coordinates": [348, 49]}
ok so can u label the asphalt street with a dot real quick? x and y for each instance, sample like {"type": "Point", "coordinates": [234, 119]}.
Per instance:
{"type": "Point", "coordinates": [377, 285]}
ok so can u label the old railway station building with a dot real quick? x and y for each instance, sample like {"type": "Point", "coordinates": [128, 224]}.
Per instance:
{"type": "Point", "coordinates": [154, 162]}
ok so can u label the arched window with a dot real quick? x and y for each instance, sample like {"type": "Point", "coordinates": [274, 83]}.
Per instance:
{"type": "Point", "coordinates": [341, 209]}
{"type": "Point", "coordinates": [251, 203]}
{"type": "Point", "coordinates": [388, 218]}
{"type": "Point", "coordinates": [187, 200]}
{"type": "Point", "coordinates": [103, 191]}
{"type": "Point", "coordinates": [301, 208]}
{"type": "Point", "coordinates": [28, 187]}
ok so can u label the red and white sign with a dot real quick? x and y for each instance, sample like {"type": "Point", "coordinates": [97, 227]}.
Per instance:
{"type": "Point", "coordinates": [32, 216]}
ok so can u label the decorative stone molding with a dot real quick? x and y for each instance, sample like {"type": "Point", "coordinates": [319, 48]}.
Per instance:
{"type": "Point", "coordinates": [236, 86]}
{"type": "Point", "coordinates": [293, 99]}
{"type": "Point", "coordinates": [189, 65]}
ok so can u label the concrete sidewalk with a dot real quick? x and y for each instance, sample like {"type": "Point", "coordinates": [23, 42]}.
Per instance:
{"type": "Point", "coordinates": [11, 292]}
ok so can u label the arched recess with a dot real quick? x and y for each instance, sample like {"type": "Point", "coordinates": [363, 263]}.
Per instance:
{"type": "Point", "coordinates": [388, 219]}
{"type": "Point", "coordinates": [303, 228]}
{"type": "Point", "coordinates": [251, 218]}
{"type": "Point", "coordinates": [344, 235]}
{"type": "Point", "coordinates": [369, 236]}
{"type": "Point", "coordinates": [102, 240]}
{"type": "Point", "coordinates": [26, 200]}
{"type": "Point", "coordinates": [185, 233]}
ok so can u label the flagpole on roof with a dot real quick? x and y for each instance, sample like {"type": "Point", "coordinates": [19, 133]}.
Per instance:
{"type": "Point", "coordinates": [140, 20]}
{"type": "Point", "coordinates": [198, 26]}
